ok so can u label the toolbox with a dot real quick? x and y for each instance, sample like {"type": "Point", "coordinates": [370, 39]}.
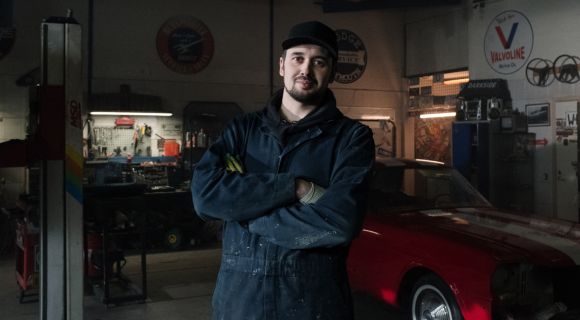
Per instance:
{"type": "Point", "coordinates": [27, 257]}
{"type": "Point", "coordinates": [124, 122]}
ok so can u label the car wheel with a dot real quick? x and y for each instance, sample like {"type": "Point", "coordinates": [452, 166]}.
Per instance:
{"type": "Point", "coordinates": [433, 300]}
{"type": "Point", "coordinates": [173, 238]}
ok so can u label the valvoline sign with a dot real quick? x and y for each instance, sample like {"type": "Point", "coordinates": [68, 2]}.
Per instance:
{"type": "Point", "coordinates": [508, 42]}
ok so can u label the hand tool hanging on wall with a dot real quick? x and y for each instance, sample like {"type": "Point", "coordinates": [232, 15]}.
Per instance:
{"type": "Point", "coordinates": [148, 130]}
{"type": "Point", "coordinates": [160, 142]}
{"type": "Point", "coordinates": [90, 133]}
{"type": "Point", "coordinates": [135, 140]}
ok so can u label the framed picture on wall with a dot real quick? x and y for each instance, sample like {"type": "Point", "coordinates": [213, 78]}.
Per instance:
{"type": "Point", "coordinates": [383, 135]}
{"type": "Point", "coordinates": [538, 114]}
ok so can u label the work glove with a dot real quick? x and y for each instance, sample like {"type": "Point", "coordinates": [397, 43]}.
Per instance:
{"type": "Point", "coordinates": [234, 164]}
{"type": "Point", "coordinates": [313, 194]}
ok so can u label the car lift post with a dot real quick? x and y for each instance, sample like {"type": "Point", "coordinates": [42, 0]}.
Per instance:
{"type": "Point", "coordinates": [59, 144]}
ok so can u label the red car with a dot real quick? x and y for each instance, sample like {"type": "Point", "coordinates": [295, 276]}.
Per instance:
{"type": "Point", "coordinates": [432, 245]}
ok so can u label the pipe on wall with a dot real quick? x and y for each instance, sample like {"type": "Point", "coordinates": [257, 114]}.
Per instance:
{"type": "Point", "coordinates": [271, 61]}
{"type": "Point", "coordinates": [90, 48]}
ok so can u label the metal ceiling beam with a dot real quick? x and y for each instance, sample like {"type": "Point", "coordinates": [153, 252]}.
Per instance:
{"type": "Point", "coordinates": [359, 5]}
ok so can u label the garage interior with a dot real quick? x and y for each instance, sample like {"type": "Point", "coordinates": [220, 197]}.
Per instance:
{"type": "Point", "coordinates": [102, 122]}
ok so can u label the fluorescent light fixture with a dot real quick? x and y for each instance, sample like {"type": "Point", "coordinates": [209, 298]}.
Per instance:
{"type": "Point", "coordinates": [455, 81]}
{"type": "Point", "coordinates": [429, 161]}
{"type": "Point", "coordinates": [437, 115]}
{"type": "Point", "coordinates": [456, 77]}
{"type": "Point", "coordinates": [131, 113]}
{"type": "Point", "coordinates": [126, 103]}
{"type": "Point", "coordinates": [374, 117]}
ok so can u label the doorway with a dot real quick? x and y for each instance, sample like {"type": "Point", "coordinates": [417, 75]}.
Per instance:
{"type": "Point", "coordinates": [566, 144]}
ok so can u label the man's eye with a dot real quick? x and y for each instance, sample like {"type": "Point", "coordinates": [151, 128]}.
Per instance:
{"type": "Point", "coordinates": [298, 59]}
{"type": "Point", "coordinates": [320, 63]}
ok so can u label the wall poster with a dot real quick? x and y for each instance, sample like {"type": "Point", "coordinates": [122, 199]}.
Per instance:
{"type": "Point", "coordinates": [538, 114]}
{"type": "Point", "coordinates": [383, 135]}
{"type": "Point", "coordinates": [433, 139]}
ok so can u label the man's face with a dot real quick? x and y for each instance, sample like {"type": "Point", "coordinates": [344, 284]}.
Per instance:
{"type": "Point", "coordinates": [307, 70]}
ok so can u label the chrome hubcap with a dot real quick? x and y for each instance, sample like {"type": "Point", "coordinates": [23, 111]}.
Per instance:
{"type": "Point", "coordinates": [430, 305]}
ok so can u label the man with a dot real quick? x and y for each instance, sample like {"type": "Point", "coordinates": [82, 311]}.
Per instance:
{"type": "Point", "coordinates": [290, 184]}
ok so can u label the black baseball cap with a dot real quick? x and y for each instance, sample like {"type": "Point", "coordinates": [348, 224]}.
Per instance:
{"type": "Point", "coordinates": [312, 32]}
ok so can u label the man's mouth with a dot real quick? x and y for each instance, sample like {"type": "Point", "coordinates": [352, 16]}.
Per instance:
{"type": "Point", "coordinates": [305, 82]}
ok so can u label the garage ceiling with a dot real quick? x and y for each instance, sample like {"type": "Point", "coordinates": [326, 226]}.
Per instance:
{"type": "Point", "coordinates": [358, 5]}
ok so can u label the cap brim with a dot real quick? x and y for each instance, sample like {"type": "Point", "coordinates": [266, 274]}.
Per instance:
{"type": "Point", "coordinates": [289, 43]}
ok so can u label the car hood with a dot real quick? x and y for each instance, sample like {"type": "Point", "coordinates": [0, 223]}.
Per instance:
{"type": "Point", "coordinates": [508, 237]}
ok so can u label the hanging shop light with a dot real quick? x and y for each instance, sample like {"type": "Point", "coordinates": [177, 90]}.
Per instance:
{"type": "Point", "coordinates": [457, 77]}
{"type": "Point", "coordinates": [437, 115]}
{"type": "Point", "coordinates": [125, 103]}
{"type": "Point", "coordinates": [131, 113]}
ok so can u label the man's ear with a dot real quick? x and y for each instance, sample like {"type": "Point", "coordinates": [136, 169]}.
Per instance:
{"type": "Point", "coordinates": [281, 69]}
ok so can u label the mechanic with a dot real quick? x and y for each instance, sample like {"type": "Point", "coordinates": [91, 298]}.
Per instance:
{"type": "Point", "coordinates": [290, 183]}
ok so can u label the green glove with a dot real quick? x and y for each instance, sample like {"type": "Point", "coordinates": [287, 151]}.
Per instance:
{"type": "Point", "coordinates": [234, 164]}
{"type": "Point", "coordinates": [313, 194]}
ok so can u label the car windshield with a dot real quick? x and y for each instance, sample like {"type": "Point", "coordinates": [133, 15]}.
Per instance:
{"type": "Point", "coordinates": [400, 189]}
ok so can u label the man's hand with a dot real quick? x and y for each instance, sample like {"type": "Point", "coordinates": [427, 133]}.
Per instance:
{"type": "Point", "coordinates": [302, 188]}
{"type": "Point", "coordinates": [308, 192]}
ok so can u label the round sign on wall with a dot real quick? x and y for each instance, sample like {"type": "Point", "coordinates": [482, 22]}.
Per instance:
{"type": "Point", "coordinates": [508, 42]}
{"type": "Point", "coordinates": [352, 57]}
{"type": "Point", "coordinates": [185, 44]}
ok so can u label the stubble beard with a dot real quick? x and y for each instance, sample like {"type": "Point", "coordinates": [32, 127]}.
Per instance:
{"type": "Point", "coordinates": [305, 97]}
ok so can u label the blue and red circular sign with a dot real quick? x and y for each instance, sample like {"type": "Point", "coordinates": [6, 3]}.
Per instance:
{"type": "Point", "coordinates": [185, 44]}
{"type": "Point", "coordinates": [508, 42]}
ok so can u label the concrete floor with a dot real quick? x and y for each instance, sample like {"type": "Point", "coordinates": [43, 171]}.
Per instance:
{"type": "Point", "coordinates": [180, 287]}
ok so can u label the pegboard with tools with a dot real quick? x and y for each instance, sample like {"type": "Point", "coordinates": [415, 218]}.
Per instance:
{"type": "Point", "coordinates": [122, 142]}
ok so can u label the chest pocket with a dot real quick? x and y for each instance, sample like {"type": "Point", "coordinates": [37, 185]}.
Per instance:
{"type": "Point", "coordinates": [262, 153]}
{"type": "Point", "coordinates": [312, 160]}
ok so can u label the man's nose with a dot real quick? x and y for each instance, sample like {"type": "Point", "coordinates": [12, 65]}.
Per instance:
{"type": "Point", "coordinates": [306, 68]}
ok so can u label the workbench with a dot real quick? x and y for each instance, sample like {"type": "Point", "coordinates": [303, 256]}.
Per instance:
{"type": "Point", "coordinates": [104, 212]}
{"type": "Point", "coordinates": [121, 215]}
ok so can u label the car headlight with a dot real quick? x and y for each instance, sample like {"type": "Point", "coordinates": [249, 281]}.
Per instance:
{"type": "Point", "coordinates": [504, 283]}
{"type": "Point", "coordinates": [522, 284]}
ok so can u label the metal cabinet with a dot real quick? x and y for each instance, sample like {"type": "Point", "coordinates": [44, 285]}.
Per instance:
{"type": "Point", "coordinates": [499, 163]}
{"type": "Point", "coordinates": [202, 124]}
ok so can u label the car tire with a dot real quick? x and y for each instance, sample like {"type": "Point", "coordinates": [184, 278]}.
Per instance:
{"type": "Point", "coordinates": [173, 239]}
{"type": "Point", "coordinates": [432, 299]}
